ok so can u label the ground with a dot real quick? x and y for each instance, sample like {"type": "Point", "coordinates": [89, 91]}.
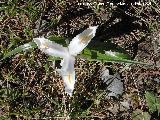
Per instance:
{"type": "Point", "coordinates": [30, 87]}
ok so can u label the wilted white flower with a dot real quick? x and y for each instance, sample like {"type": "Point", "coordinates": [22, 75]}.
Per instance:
{"type": "Point", "coordinates": [68, 54]}
{"type": "Point", "coordinates": [114, 83]}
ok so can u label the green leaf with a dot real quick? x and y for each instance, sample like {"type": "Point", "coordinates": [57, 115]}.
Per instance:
{"type": "Point", "coordinates": [140, 115]}
{"type": "Point", "coordinates": [107, 51]}
{"type": "Point", "coordinates": [108, 56]}
{"type": "Point", "coordinates": [58, 39]}
{"type": "Point", "coordinates": [27, 46]}
{"type": "Point", "coordinates": [19, 49]}
{"type": "Point", "coordinates": [151, 101]}
{"type": "Point", "coordinates": [106, 46]}
{"type": "Point", "coordinates": [52, 58]}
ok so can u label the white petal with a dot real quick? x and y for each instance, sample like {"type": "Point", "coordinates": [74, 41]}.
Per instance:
{"type": "Point", "coordinates": [69, 81]}
{"type": "Point", "coordinates": [68, 63]}
{"type": "Point", "coordinates": [79, 42]}
{"type": "Point", "coordinates": [51, 48]}
{"type": "Point", "coordinates": [68, 73]}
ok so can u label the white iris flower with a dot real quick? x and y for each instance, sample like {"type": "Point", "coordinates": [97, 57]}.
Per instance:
{"type": "Point", "coordinates": [68, 54]}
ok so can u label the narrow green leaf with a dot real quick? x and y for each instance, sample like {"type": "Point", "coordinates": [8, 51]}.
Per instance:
{"type": "Point", "coordinates": [20, 49]}
{"type": "Point", "coordinates": [52, 58]}
{"type": "Point", "coordinates": [58, 39]}
{"type": "Point", "coordinates": [108, 56]}
{"type": "Point", "coordinates": [107, 51]}
{"type": "Point", "coordinates": [106, 46]}
{"type": "Point", "coordinates": [25, 47]}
